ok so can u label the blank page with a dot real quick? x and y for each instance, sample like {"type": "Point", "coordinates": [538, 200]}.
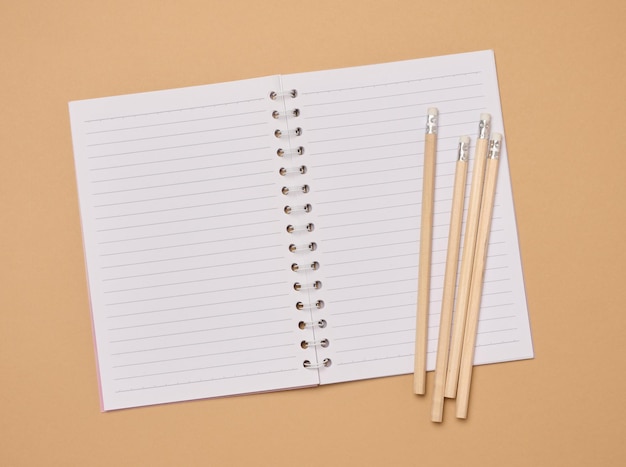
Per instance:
{"type": "Point", "coordinates": [364, 139]}
{"type": "Point", "coordinates": [186, 252]}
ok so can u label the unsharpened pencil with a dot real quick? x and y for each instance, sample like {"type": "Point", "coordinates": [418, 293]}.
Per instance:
{"type": "Point", "coordinates": [467, 259]}
{"type": "Point", "coordinates": [425, 252]}
{"type": "Point", "coordinates": [449, 282]}
{"type": "Point", "coordinates": [478, 273]}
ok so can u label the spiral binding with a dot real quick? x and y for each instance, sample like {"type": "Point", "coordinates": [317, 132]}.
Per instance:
{"type": "Point", "coordinates": [274, 95]}
{"type": "Point", "coordinates": [325, 363]}
{"type": "Point", "coordinates": [321, 343]}
{"type": "Point", "coordinates": [314, 285]}
{"type": "Point", "coordinates": [321, 323]}
{"type": "Point", "coordinates": [301, 228]}
{"type": "Point", "coordinates": [319, 304]}
{"type": "Point", "coordinates": [295, 209]}
{"type": "Point", "coordinates": [286, 190]}
{"type": "Point", "coordinates": [302, 248]}
{"type": "Point", "coordinates": [280, 152]}
{"type": "Point", "coordinates": [292, 170]}
{"type": "Point", "coordinates": [295, 267]}
{"type": "Point", "coordinates": [290, 153]}
{"type": "Point", "coordinates": [281, 133]}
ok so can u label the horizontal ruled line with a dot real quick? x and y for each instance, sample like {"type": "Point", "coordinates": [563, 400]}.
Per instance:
{"type": "Point", "coordinates": [351, 237]}
{"type": "Point", "coordinates": [171, 172]}
{"type": "Point", "coordinates": [205, 180]}
{"type": "Point", "coordinates": [369, 259]}
{"type": "Point", "coordinates": [204, 292]}
{"type": "Point", "coordinates": [199, 193]}
{"type": "Point", "coordinates": [353, 174]}
{"type": "Point", "coordinates": [197, 318]}
{"type": "Point", "coordinates": [182, 109]}
{"type": "Point", "coordinates": [187, 232]}
{"type": "Point", "coordinates": [381, 109]}
{"type": "Point", "coordinates": [493, 331]}
{"type": "Point", "coordinates": [199, 305]}
{"type": "Point", "coordinates": [187, 370]}
{"type": "Point", "coordinates": [348, 187]}
{"type": "Point", "coordinates": [503, 292]}
{"type": "Point", "coordinates": [368, 297]}
{"type": "Point", "coordinates": [230, 339]}
{"type": "Point", "coordinates": [208, 380]}
{"type": "Point", "coordinates": [401, 94]}
{"type": "Point", "coordinates": [178, 159]}
{"type": "Point", "coordinates": [515, 341]}
{"type": "Point", "coordinates": [334, 152]}
{"type": "Point", "coordinates": [181, 208]}
{"type": "Point", "coordinates": [378, 221]}
{"type": "Point", "coordinates": [167, 148]}
{"type": "Point", "coordinates": [195, 281]}
{"type": "Point", "coordinates": [361, 161]}
{"type": "Point", "coordinates": [346, 138]}
{"type": "Point", "coordinates": [173, 135]}
{"type": "Point", "coordinates": [493, 281]}
{"type": "Point", "coordinates": [214, 354]}
{"type": "Point", "coordinates": [389, 120]}
{"type": "Point", "coordinates": [176, 122]}
{"type": "Point", "coordinates": [369, 247]}
{"type": "Point", "coordinates": [385, 208]}
{"type": "Point", "coordinates": [381, 346]}
{"type": "Point", "coordinates": [379, 283]}
{"type": "Point", "coordinates": [196, 331]}
{"type": "Point", "coordinates": [376, 334]}
{"type": "Point", "coordinates": [393, 83]}
{"type": "Point", "coordinates": [391, 357]}
{"type": "Point", "coordinates": [373, 271]}
{"type": "Point", "coordinates": [375, 309]}
{"type": "Point", "coordinates": [364, 323]}
{"type": "Point", "coordinates": [360, 198]}
{"type": "Point", "coordinates": [175, 271]}
{"type": "Point", "coordinates": [185, 220]}
{"type": "Point", "coordinates": [178, 258]}
{"type": "Point", "coordinates": [377, 122]}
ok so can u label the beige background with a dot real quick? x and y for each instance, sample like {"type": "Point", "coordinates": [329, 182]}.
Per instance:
{"type": "Point", "coordinates": [561, 67]}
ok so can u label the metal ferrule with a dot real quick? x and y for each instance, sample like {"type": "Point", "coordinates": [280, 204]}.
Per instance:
{"type": "Point", "coordinates": [463, 151]}
{"type": "Point", "coordinates": [431, 124]}
{"type": "Point", "coordinates": [484, 128]}
{"type": "Point", "coordinates": [494, 148]}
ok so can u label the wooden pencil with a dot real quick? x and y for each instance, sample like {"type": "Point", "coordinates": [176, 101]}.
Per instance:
{"type": "Point", "coordinates": [449, 282]}
{"type": "Point", "coordinates": [467, 259]}
{"type": "Point", "coordinates": [425, 252]}
{"type": "Point", "coordinates": [478, 273]}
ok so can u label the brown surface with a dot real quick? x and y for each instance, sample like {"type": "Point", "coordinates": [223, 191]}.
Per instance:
{"type": "Point", "coordinates": [561, 66]}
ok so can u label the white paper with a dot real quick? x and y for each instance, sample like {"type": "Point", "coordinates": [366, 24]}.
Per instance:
{"type": "Point", "coordinates": [183, 210]}
{"type": "Point", "coordinates": [186, 255]}
{"type": "Point", "coordinates": [365, 141]}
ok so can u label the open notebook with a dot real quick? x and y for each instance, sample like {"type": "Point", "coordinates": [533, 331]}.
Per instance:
{"type": "Point", "coordinates": [198, 286]}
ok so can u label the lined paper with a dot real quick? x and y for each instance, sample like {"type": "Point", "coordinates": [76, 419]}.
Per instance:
{"type": "Point", "coordinates": [365, 140]}
{"type": "Point", "coordinates": [187, 263]}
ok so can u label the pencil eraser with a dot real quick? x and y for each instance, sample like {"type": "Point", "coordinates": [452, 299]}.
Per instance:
{"type": "Point", "coordinates": [486, 117]}
{"type": "Point", "coordinates": [433, 111]}
{"type": "Point", "coordinates": [464, 139]}
{"type": "Point", "coordinates": [496, 136]}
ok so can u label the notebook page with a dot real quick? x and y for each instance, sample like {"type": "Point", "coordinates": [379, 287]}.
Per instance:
{"type": "Point", "coordinates": [364, 137]}
{"type": "Point", "coordinates": [184, 244]}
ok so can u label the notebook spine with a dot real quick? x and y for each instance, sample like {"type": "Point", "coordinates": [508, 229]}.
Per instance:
{"type": "Point", "coordinates": [300, 228]}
